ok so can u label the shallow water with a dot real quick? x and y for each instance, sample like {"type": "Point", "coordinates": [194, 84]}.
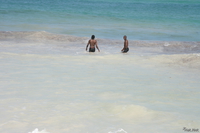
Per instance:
{"type": "Point", "coordinates": [51, 84]}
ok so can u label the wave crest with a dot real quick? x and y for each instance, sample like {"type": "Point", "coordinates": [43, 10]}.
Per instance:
{"type": "Point", "coordinates": [168, 47]}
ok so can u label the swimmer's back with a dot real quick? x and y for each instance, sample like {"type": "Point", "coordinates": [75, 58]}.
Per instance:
{"type": "Point", "coordinates": [92, 43]}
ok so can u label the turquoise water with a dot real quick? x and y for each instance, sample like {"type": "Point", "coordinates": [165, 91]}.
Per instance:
{"type": "Point", "coordinates": [177, 20]}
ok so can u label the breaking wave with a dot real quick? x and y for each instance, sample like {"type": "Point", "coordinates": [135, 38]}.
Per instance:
{"type": "Point", "coordinates": [37, 131]}
{"type": "Point", "coordinates": [170, 47]}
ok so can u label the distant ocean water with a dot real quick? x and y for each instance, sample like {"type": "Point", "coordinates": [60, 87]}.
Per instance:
{"type": "Point", "coordinates": [177, 20]}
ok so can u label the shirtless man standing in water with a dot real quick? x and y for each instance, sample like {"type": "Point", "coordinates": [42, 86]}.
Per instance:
{"type": "Point", "coordinates": [125, 49]}
{"type": "Point", "coordinates": [92, 42]}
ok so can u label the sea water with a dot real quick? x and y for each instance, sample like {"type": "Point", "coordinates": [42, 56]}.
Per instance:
{"type": "Point", "coordinates": [177, 20]}
{"type": "Point", "coordinates": [50, 84]}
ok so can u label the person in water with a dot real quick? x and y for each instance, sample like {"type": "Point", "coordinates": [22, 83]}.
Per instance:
{"type": "Point", "coordinates": [92, 42]}
{"type": "Point", "coordinates": [125, 49]}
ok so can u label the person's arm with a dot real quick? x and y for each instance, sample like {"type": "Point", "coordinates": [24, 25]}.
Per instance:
{"type": "Point", "coordinates": [124, 46]}
{"type": "Point", "coordinates": [87, 44]}
{"type": "Point", "coordinates": [97, 46]}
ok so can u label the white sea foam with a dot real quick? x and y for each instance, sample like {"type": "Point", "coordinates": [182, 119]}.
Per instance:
{"type": "Point", "coordinates": [119, 131]}
{"type": "Point", "coordinates": [46, 36]}
{"type": "Point", "coordinates": [37, 131]}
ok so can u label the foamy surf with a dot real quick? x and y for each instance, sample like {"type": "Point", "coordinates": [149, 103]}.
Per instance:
{"type": "Point", "coordinates": [119, 131]}
{"type": "Point", "coordinates": [37, 131]}
{"type": "Point", "coordinates": [177, 53]}
{"type": "Point", "coordinates": [171, 47]}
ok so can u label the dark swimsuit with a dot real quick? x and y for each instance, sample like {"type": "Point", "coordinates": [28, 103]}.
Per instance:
{"type": "Point", "coordinates": [126, 50]}
{"type": "Point", "coordinates": [92, 50]}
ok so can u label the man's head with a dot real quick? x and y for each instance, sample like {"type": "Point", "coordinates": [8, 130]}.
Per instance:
{"type": "Point", "coordinates": [93, 36]}
{"type": "Point", "coordinates": [125, 37]}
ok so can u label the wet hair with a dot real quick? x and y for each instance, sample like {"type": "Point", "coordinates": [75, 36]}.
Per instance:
{"type": "Point", "coordinates": [93, 36]}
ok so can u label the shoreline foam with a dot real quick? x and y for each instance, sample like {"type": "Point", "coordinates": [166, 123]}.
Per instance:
{"type": "Point", "coordinates": [186, 54]}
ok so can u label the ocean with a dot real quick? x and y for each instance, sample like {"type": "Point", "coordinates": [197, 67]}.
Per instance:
{"type": "Point", "coordinates": [175, 20]}
{"type": "Point", "coordinates": [49, 83]}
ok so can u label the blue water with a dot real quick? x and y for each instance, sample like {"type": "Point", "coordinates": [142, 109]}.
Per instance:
{"type": "Point", "coordinates": [177, 20]}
